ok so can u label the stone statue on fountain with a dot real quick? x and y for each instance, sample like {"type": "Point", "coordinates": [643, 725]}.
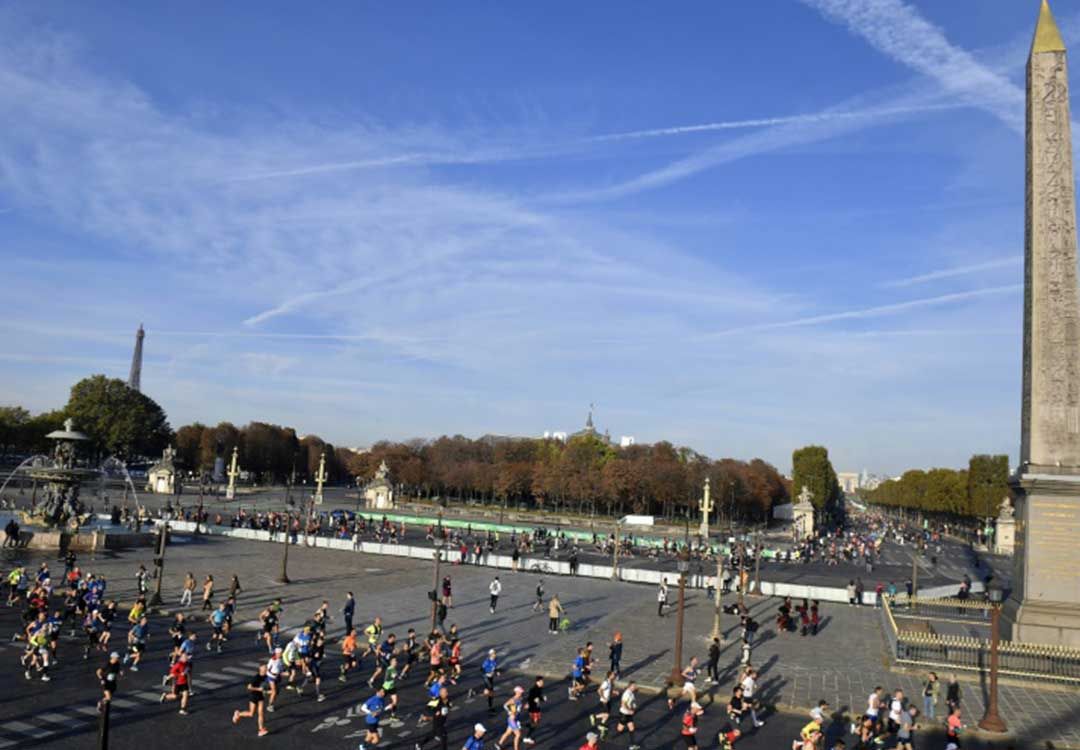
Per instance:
{"type": "Point", "coordinates": [61, 507]}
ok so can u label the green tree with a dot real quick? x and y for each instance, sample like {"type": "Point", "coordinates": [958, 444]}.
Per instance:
{"type": "Point", "coordinates": [988, 484]}
{"type": "Point", "coordinates": [119, 421]}
{"type": "Point", "coordinates": [188, 440]}
{"type": "Point", "coordinates": [812, 469]}
{"type": "Point", "coordinates": [13, 421]}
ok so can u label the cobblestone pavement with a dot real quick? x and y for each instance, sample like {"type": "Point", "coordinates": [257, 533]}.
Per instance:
{"type": "Point", "coordinates": [842, 664]}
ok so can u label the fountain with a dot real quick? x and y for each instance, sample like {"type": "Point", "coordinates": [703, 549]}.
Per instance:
{"type": "Point", "coordinates": [56, 517]}
{"type": "Point", "coordinates": [60, 508]}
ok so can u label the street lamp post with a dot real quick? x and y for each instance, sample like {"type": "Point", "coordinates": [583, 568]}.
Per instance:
{"type": "Point", "coordinates": [757, 563]}
{"type": "Point", "coordinates": [716, 632]}
{"type": "Point", "coordinates": [991, 721]}
{"type": "Point", "coordinates": [676, 677]}
{"type": "Point", "coordinates": [706, 507]}
{"type": "Point", "coordinates": [615, 553]}
{"type": "Point", "coordinates": [284, 577]}
{"type": "Point", "coordinates": [159, 562]}
{"type": "Point", "coordinates": [435, 583]}
{"type": "Point", "coordinates": [435, 580]}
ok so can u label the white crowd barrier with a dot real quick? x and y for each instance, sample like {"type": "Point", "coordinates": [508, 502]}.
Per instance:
{"type": "Point", "coordinates": [535, 564]}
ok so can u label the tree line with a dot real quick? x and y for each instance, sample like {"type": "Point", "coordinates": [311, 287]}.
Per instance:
{"type": "Point", "coordinates": [976, 491]}
{"type": "Point", "coordinates": [269, 452]}
{"type": "Point", "coordinates": [585, 474]}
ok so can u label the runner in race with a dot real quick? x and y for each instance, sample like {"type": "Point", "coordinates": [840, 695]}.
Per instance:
{"type": "Point", "coordinates": [348, 655]}
{"type": "Point", "coordinates": [607, 694]}
{"type": "Point", "coordinates": [109, 678]}
{"type": "Point", "coordinates": [270, 618]}
{"type": "Point", "coordinates": [476, 740]}
{"type": "Point", "coordinates": [627, 709]}
{"type": "Point", "coordinates": [372, 633]}
{"type": "Point", "coordinates": [410, 651]}
{"type": "Point", "coordinates": [217, 620]}
{"type": "Point", "coordinates": [689, 728]}
{"type": "Point", "coordinates": [689, 688]}
{"type": "Point", "coordinates": [372, 709]}
{"type": "Point", "coordinates": [439, 710]}
{"type": "Point", "coordinates": [577, 676]}
{"type": "Point", "coordinates": [275, 667]}
{"type": "Point", "coordinates": [137, 637]}
{"type": "Point", "coordinates": [534, 701]}
{"type": "Point", "coordinates": [513, 708]}
{"type": "Point", "coordinates": [180, 676]}
{"type": "Point", "coordinates": [256, 688]}
{"type": "Point", "coordinates": [491, 670]}
{"type": "Point", "coordinates": [383, 655]}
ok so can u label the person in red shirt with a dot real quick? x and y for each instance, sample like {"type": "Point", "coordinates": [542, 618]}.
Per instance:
{"type": "Point", "coordinates": [689, 725]}
{"type": "Point", "coordinates": [180, 677]}
{"type": "Point", "coordinates": [592, 741]}
{"type": "Point", "coordinates": [727, 737]}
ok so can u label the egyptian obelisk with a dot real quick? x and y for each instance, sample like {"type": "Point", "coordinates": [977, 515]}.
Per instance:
{"type": "Point", "coordinates": [1044, 605]}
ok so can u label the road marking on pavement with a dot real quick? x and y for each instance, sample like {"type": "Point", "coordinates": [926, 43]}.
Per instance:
{"type": "Point", "coordinates": [245, 671]}
{"type": "Point", "coordinates": [214, 676]}
{"type": "Point", "coordinates": [88, 710]}
{"type": "Point", "coordinates": [148, 695]}
{"type": "Point", "coordinates": [21, 727]}
{"type": "Point", "coordinates": [123, 703]}
{"type": "Point", "coordinates": [6, 743]}
{"type": "Point", "coordinates": [54, 718]}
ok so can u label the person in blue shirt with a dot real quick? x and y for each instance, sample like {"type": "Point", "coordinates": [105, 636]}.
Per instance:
{"type": "Point", "coordinates": [217, 620]}
{"type": "Point", "coordinates": [383, 655]}
{"type": "Point", "coordinates": [372, 709]}
{"type": "Point", "coordinates": [137, 636]}
{"type": "Point", "coordinates": [476, 742]}
{"type": "Point", "coordinates": [187, 647]}
{"type": "Point", "coordinates": [491, 670]}
{"type": "Point", "coordinates": [577, 672]}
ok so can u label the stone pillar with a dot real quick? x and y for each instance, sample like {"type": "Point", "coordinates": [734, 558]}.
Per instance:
{"type": "Point", "coordinates": [1005, 538]}
{"type": "Point", "coordinates": [804, 520]}
{"type": "Point", "coordinates": [1044, 604]}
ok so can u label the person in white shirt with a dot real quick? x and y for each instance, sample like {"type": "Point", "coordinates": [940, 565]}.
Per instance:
{"type": "Point", "coordinates": [661, 598]}
{"type": "Point", "coordinates": [495, 588]}
{"type": "Point", "coordinates": [749, 685]}
{"type": "Point", "coordinates": [896, 707]}
{"type": "Point", "coordinates": [873, 705]}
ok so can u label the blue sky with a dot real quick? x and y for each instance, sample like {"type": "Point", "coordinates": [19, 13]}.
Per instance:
{"type": "Point", "coordinates": [739, 226]}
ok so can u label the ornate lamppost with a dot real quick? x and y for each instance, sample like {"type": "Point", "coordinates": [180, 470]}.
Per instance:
{"type": "Point", "coordinates": [159, 562]}
{"type": "Point", "coordinates": [284, 577]}
{"type": "Point", "coordinates": [991, 721]}
{"type": "Point", "coordinates": [439, 543]}
{"type": "Point", "coordinates": [676, 678]}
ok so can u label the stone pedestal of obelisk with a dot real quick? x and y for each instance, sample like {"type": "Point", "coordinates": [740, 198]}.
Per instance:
{"type": "Point", "coordinates": [1044, 605]}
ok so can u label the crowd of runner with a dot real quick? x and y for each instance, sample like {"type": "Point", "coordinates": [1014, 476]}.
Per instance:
{"type": "Point", "coordinates": [380, 664]}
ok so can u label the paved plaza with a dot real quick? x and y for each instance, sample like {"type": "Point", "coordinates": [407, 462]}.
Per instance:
{"type": "Point", "coordinates": [842, 664]}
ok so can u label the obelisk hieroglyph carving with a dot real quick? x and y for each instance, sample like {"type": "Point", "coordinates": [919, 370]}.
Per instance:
{"type": "Point", "coordinates": [1050, 429]}
{"type": "Point", "coordinates": [1044, 599]}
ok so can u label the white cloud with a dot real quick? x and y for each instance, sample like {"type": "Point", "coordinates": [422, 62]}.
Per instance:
{"type": "Point", "coordinates": [947, 273]}
{"type": "Point", "coordinates": [897, 30]}
{"type": "Point", "coordinates": [874, 312]}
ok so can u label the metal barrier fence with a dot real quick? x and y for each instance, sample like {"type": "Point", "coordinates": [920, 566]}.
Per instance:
{"type": "Point", "coordinates": [1025, 660]}
{"type": "Point", "coordinates": [975, 611]}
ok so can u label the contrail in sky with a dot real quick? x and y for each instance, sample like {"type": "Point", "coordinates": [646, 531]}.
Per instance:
{"type": "Point", "coordinates": [805, 119]}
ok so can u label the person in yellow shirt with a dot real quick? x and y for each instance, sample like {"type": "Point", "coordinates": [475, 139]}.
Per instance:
{"type": "Point", "coordinates": [138, 609]}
